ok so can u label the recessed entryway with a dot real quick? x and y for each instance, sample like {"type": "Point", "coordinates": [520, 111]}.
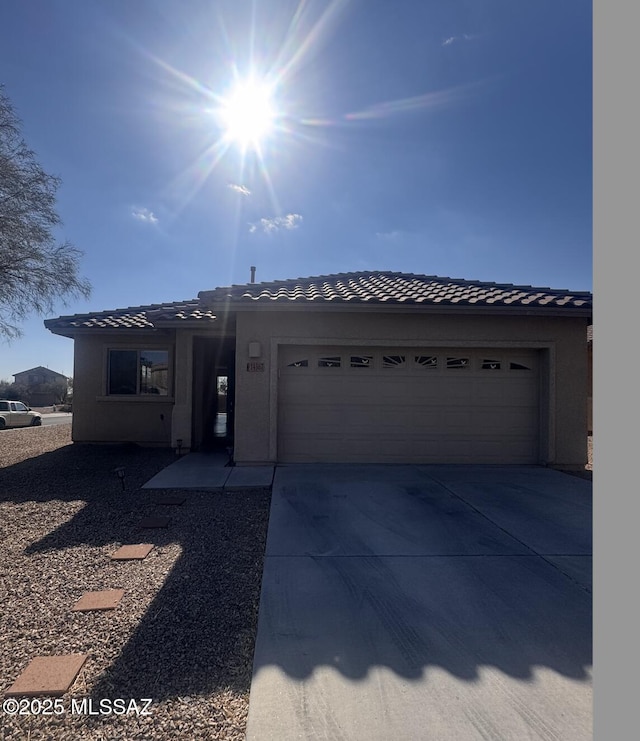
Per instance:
{"type": "Point", "coordinates": [213, 393]}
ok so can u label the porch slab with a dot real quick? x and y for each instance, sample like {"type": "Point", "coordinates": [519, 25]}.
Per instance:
{"type": "Point", "coordinates": [202, 471]}
{"type": "Point", "coordinates": [247, 477]}
{"type": "Point", "coordinates": [47, 676]}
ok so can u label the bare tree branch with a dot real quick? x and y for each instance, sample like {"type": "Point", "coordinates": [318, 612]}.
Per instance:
{"type": "Point", "coordinates": [36, 272]}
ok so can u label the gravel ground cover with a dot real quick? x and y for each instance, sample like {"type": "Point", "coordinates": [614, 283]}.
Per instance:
{"type": "Point", "coordinates": [183, 634]}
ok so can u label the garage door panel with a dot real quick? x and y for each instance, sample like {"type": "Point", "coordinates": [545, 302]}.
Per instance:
{"type": "Point", "coordinates": [510, 392]}
{"type": "Point", "coordinates": [394, 449]}
{"type": "Point", "coordinates": [503, 421]}
{"type": "Point", "coordinates": [399, 410]}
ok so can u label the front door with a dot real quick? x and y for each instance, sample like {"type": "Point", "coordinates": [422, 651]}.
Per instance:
{"type": "Point", "coordinates": [213, 393]}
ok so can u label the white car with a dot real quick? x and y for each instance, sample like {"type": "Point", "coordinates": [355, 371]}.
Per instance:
{"type": "Point", "coordinates": [17, 414]}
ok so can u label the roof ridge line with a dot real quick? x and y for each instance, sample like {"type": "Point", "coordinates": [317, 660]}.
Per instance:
{"type": "Point", "coordinates": [394, 273]}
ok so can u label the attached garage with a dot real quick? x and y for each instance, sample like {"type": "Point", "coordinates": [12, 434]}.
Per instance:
{"type": "Point", "coordinates": [370, 366]}
{"type": "Point", "coordinates": [408, 404]}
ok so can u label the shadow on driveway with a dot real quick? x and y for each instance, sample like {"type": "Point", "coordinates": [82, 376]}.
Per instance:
{"type": "Point", "coordinates": [402, 598]}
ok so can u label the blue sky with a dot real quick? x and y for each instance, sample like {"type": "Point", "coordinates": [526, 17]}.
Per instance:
{"type": "Point", "coordinates": [450, 138]}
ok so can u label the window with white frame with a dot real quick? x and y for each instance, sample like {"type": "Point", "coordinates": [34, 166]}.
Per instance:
{"type": "Point", "coordinates": [138, 372]}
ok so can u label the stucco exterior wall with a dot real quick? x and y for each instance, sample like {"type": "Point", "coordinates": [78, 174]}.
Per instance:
{"type": "Point", "coordinates": [163, 420]}
{"type": "Point", "coordinates": [101, 418]}
{"type": "Point", "coordinates": [561, 343]}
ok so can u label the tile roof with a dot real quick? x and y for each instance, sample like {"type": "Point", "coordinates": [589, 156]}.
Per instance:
{"type": "Point", "coordinates": [370, 288]}
{"type": "Point", "coordinates": [133, 317]}
{"type": "Point", "coordinates": [383, 287]}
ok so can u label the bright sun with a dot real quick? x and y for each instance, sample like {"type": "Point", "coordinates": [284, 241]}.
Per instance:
{"type": "Point", "coordinates": [248, 114]}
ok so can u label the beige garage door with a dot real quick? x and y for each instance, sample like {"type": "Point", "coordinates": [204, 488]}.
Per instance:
{"type": "Point", "coordinates": [407, 405]}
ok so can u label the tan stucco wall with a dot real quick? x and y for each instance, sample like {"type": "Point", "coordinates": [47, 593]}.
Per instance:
{"type": "Point", "coordinates": [162, 421]}
{"type": "Point", "coordinates": [98, 418]}
{"type": "Point", "coordinates": [561, 342]}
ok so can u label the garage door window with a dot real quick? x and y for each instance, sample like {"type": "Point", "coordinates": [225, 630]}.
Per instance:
{"type": "Point", "coordinates": [329, 362]}
{"type": "Point", "coordinates": [394, 361]}
{"type": "Point", "coordinates": [457, 363]}
{"type": "Point", "coordinates": [299, 364]}
{"type": "Point", "coordinates": [518, 366]}
{"type": "Point", "coordinates": [361, 361]}
{"type": "Point", "coordinates": [490, 365]}
{"type": "Point", "coordinates": [426, 361]}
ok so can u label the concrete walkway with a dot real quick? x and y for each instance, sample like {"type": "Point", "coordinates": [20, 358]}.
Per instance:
{"type": "Point", "coordinates": [425, 602]}
{"type": "Point", "coordinates": [209, 472]}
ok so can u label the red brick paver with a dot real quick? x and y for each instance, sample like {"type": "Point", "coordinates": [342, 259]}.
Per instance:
{"type": "Point", "coordinates": [107, 599]}
{"type": "Point", "coordinates": [132, 552]}
{"type": "Point", "coordinates": [47, 675]}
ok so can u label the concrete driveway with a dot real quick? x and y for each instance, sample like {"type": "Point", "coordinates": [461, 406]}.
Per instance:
{"type": "Point", "coordinates": [425, 602]}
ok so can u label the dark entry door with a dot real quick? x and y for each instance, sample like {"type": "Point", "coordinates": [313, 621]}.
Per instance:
{"type": "Point", "coordinates": [213, 393]}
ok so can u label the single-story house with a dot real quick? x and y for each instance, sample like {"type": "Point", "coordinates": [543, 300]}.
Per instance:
{"type": "Point", "coordinates": [371, 366]}
{"type": "Point", "coordinates": [45, 387]}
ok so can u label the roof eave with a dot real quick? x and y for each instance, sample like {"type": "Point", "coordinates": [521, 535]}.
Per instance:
{"type": "Point", "coordinates": [401, 307]}
{"type": "Point", "coordinates": [72, 332]}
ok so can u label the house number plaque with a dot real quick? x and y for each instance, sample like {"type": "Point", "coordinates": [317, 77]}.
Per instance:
{"type": "Point", "coordinates": [255, 367]}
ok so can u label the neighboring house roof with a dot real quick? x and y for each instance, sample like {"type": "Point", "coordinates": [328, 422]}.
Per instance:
{"type": "Point", "coordinates": [366, 288]}
{"type": "Point", "coordinates": [383, 287]}
{"type": "Point", "coordinates": [40, 369]}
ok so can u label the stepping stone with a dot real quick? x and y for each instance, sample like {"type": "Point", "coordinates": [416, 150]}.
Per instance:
{"type": "Point", "coordinates": [171, 499]}
{"type": "Point", "coordinates": [132, 552]}
{"type": "Point", "coordinates": [47, 675]}
{"type": "Point", "coordinates": [107, 599]}
{"type": "Point", "coordinates": [154, 522]}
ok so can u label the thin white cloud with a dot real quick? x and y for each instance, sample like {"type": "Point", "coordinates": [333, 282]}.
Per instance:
{"type": "Point", "coordinates": [143, 214]}
{"type": "Point", "coordinates": [243, 190]}
{"type": "Point", "coordinates": [464, 37]}
{"type": "Point", "coordinates": [427, 101]}
{"type": "Point", "coordinates": [276, 224]}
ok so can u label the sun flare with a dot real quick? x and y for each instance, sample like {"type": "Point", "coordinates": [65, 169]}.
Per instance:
{"type": "Point", "coordinates": [248, 114]}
